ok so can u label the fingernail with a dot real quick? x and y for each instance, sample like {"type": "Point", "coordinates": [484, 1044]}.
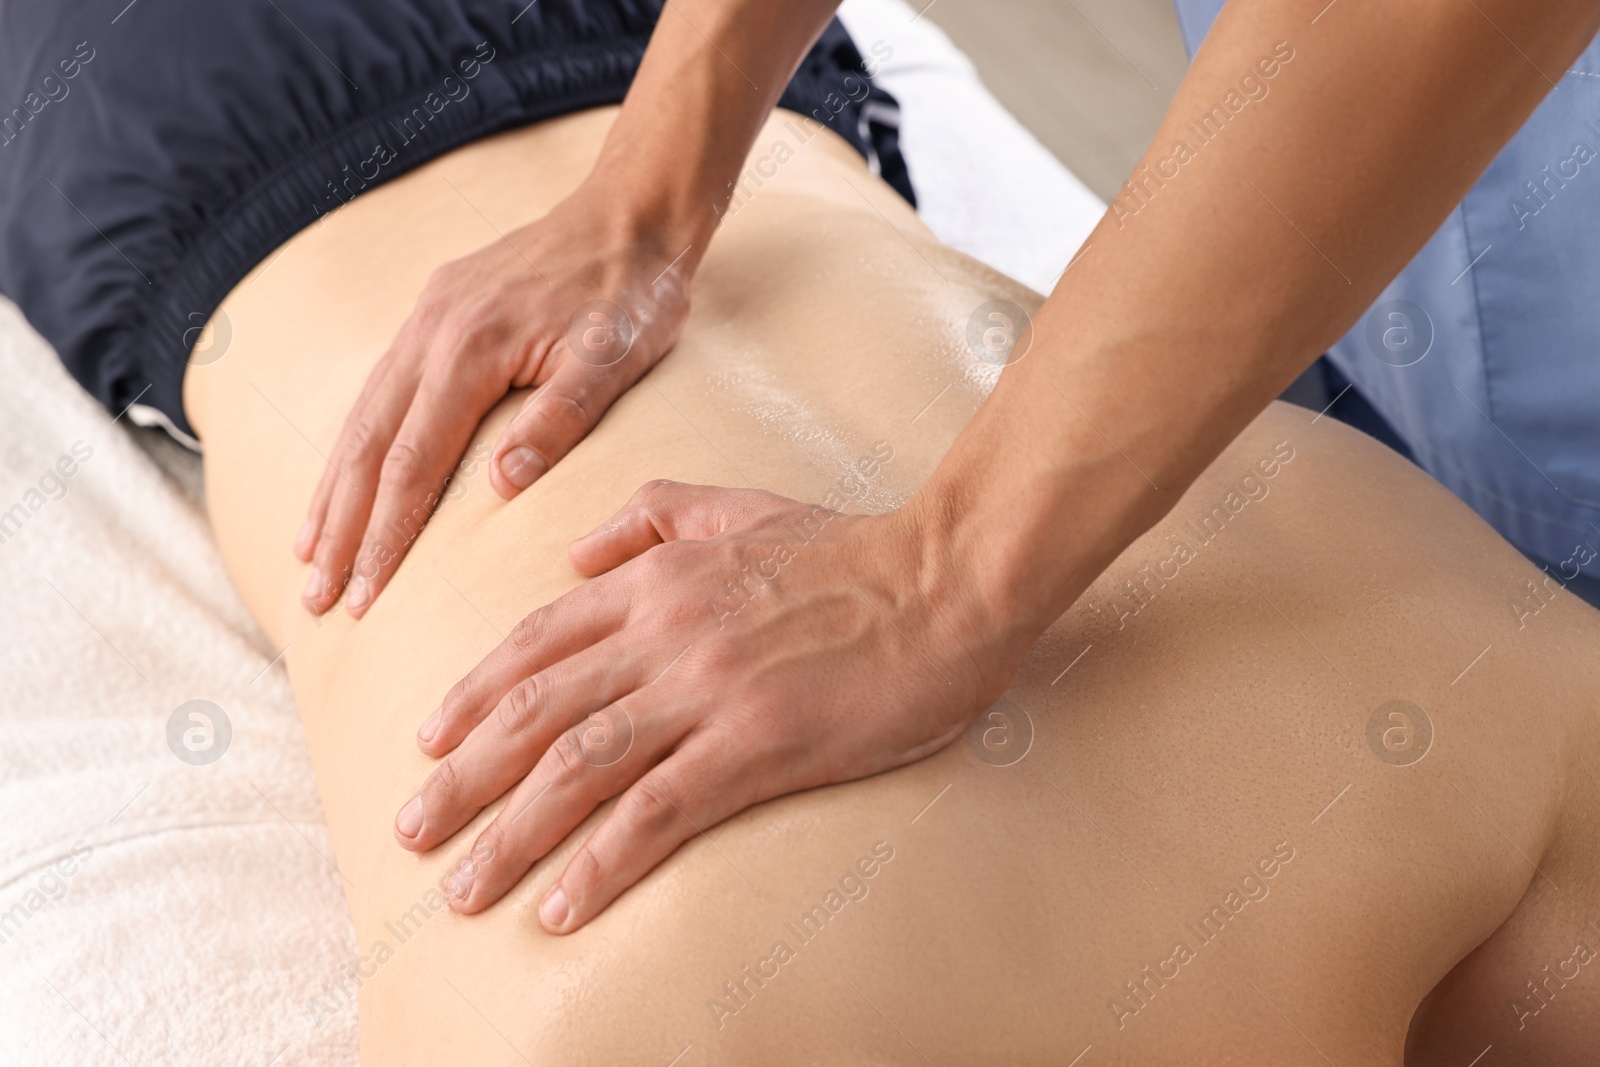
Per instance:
{"type": "Point", "coordinates": [360, 593]}
{"type": "Point", "coordinates": [521, 466]}
{"type": "Point", "coordinates": [431, 727]}
{"type": "Point", "coordinates": [313, 589]}
{"type": "Point", "coordinates": [409, 821]}
{"type": "Point", "coordinates": [302, 540]}
{"type": "Point", "coordinates": [553, 912]}
{"type": "Point", "coordinates": [459, 884]}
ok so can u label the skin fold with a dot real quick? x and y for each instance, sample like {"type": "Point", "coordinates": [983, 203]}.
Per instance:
{"type": "Point", "coordinates": [1200, 717]}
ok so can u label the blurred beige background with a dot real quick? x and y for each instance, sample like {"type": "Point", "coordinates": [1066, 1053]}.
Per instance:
{"type": "Point", "coordinates": [1090, 78]}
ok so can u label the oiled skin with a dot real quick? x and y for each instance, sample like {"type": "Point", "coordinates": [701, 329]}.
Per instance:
{"type": "Point", "coordinates": [1223, 722]}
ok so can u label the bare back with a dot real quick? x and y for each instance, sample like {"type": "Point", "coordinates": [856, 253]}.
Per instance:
{"type": "Point", "coordinates": [1195, 832]}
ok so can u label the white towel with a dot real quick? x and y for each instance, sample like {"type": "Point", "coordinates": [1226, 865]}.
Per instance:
{"type": "Point", "coordinates": [151, 910]}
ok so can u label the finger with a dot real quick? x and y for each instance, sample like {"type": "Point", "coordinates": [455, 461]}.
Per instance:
{"type": "Point", "coordinates": [687, 794]}
{"type": "Point", "coordinates": [576, 620]}
{"type": "Point", "coordinates": [305, 541]}
{"type": "Point", "coordinates": [444, 414]}
{"type": "Point", "coordinates": [590, 763]}
{"type": "Point", "coordinates": [558, 415]}
{"type": "Point", "coordinates": [662, 511]}
{"type": "Point", "coordinates": [511, 741]}
{"type": "Point", "coordinates": [356, 465]}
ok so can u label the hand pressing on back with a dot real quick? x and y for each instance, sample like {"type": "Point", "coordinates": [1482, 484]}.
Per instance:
{"type": "Point", "coordinates": [732, 646]}
{"type": "Point", "coordinates": [579, 304]}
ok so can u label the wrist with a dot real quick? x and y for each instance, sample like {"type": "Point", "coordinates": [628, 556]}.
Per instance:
{"type": "Point", "coordinates": [649, 225]}
{"type": "Point", "coordinates": [1023, 532]}
{"type": "Point", "coordinates": [661, 194]}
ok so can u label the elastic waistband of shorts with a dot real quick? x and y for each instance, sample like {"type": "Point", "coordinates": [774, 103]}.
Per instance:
{"type": "Point", "coordinates": [515, 91]}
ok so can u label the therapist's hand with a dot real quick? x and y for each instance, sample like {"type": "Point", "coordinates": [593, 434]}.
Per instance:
{"type": "Point", "coordinates": [736, 646]}
{"type": "Point", "coordinates": [580, 303]}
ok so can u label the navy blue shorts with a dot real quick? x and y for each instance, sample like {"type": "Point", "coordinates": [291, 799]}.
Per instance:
{"type": "Point", "coordinates": [151, 155]}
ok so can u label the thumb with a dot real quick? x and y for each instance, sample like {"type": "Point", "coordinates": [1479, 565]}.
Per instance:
{"type": "Point", "coordinates": [664, 511]}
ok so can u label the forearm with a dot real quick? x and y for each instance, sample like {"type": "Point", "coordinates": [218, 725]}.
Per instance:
{"type": "Point", "coordinates": [1235, 263]}
{"type": "Point", "coordinates": [712, 73]}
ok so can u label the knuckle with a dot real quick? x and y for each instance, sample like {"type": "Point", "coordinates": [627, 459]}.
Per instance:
{"type": "Point", "coordinates": [475, 322]}
{"type": "Point", "coordinates": [404, 463]}
{"type": "Point", "coordinates": [568, 409]}
{"type": "Point", "coordinates": [490, 844]}
{"type": "Point", "coordinates": [567, 758]}
{"type": "Point", "coordinates": [526, 635]}
{"type": "Point", "coordinates": [649, 806]}
{"type": "Point", "coordinates": [653, 490]}
{"type": "Point", "coordinates": [446, 783]}
{"type": "Point", "coordinates": [452, 335]}
{"type": "Point", "coordinates": [436, 306]}
{"type": "Point", "coordinates": [445, 338]}
{"type": "Point", "coordinates": [482, 301]}
{"type": "Point", "coordinates": [585, 871]}
{"type": "Point", "coordinates": [461, 697]}
{"type": "Point", "coordinates": [375, 555]}
{"type": "Point", "coordinates": [442, 282]}
{"type": "Point", "coordinates": [365, 564]}
{"type": "Point", "coordinates": [365, 444]}
{"type": "Point", "coordinates": [520, 707]}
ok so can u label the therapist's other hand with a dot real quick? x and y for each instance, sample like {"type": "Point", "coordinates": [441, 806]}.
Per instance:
{"type": "Point", "coordinates": [735, 646]}
{"type": "Point", "coordinates": [579, 304]}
